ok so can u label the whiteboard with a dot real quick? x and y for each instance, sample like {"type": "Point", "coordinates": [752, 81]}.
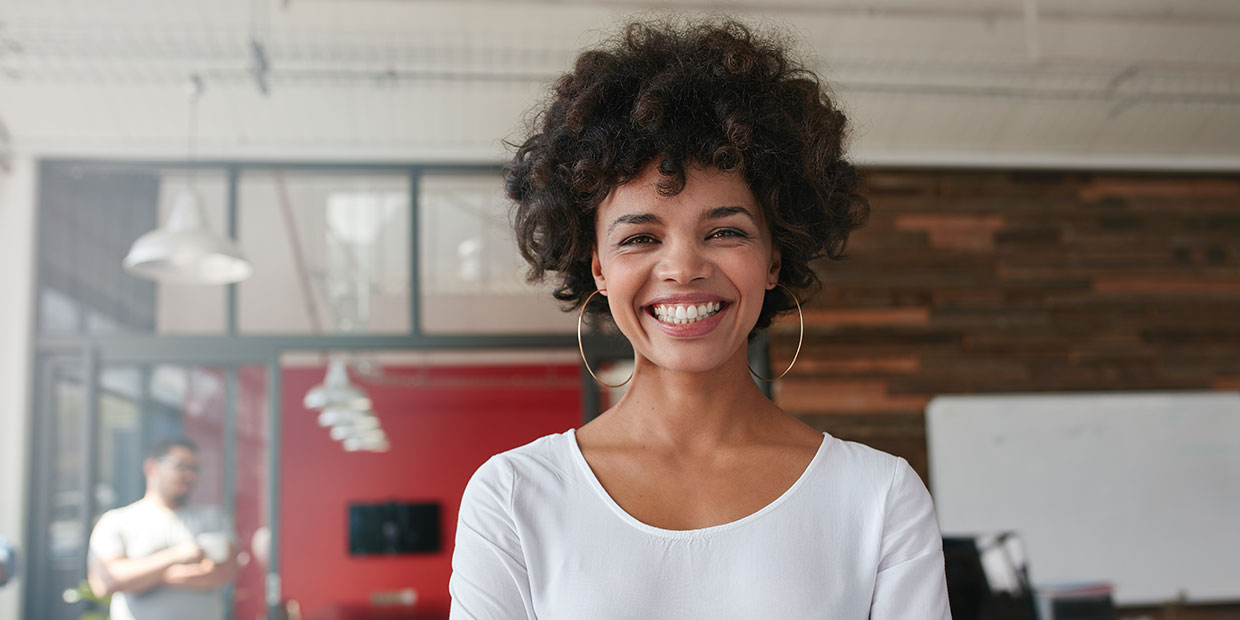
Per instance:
{"type": "Point", "coordinates": [1141, 489]}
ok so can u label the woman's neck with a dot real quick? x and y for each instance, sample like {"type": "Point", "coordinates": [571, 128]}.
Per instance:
{"type": "Point", "coordinates": [692, 412]}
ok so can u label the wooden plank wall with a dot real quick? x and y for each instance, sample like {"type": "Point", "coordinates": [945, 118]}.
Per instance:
{"type": "Point", "coordinates": [1003, 281]}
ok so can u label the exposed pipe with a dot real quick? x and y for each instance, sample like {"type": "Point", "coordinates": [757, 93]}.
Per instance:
{"type": "Point", "coordinates": [921, 10]}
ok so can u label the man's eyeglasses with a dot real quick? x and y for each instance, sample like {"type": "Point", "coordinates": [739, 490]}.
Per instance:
{"type": "Point", "coordinates": [191, 468]}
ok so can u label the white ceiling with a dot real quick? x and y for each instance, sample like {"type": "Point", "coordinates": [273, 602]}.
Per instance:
{"type": "Point", "coordinates": [1144, 83]}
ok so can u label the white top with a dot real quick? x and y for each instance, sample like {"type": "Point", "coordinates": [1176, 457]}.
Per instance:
{"type": "Point", "coordinates": [143, 528]}
{"type": "Point", "coordinates": [854, 537]}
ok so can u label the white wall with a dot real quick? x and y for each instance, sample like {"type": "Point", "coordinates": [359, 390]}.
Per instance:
{"type": "Point", "coordinates": [17, 196]}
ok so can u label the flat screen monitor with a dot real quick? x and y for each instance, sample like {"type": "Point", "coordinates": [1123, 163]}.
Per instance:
{"type": "Point", "coordinates": [393, 528]}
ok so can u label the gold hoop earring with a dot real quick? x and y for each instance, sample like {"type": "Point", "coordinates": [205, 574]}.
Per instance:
{"type": "Point", "coordinates": [800, 339]}
{"type": "Point", "coordinates": [580, 347]}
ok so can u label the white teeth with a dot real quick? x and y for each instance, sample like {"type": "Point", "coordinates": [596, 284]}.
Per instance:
{"type": "Point", "coordinates": [680, 315]}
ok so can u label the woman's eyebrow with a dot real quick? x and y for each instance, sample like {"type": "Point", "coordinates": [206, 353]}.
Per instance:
{"type": "Point", "coordinates": [633, 218]}
{"type": "Point", "coordinates": [722, 212]}
{"type": "Point", "coordinates": [648, 218]}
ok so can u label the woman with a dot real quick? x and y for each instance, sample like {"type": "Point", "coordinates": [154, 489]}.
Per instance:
{"type": "Point", "coordinates": [687, 175]}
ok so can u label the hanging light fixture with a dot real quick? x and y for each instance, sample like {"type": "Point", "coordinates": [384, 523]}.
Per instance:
{"type": "Point", "coordinates": [336, 392]}
{"type": "Point", "coordinates": [358, 431]}
{"type": "Point", "coordinates": [185, 251]}
{"type": "Point", "coordinates": [364, 423]}
{"type": "Point", "coordinates": [346, 411]}
{"type": "Point", "coordinates": [363, 438]}
{"type": "Point", "coordinates": [338, 416]}
{"type": "Point", "coordinates": [370, 441]}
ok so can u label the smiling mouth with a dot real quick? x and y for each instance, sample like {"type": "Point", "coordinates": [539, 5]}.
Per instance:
{"type": "Point", "coordinates": [681, 314]}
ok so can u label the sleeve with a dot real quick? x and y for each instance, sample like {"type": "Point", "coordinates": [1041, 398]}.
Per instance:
{"type": "Point", "coordinates": [911, 581]}
{"type": "Point", "coordinates": [489, 579]}
{"type": "Point", "coordinates": [106, 540]}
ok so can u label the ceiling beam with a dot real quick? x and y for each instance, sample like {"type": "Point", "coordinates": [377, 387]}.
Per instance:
{"type": "Point", "coordinates": [916, 10]}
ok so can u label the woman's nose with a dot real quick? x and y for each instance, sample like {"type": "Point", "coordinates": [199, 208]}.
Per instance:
{"type": "Point", "coordinates": [684, 262]}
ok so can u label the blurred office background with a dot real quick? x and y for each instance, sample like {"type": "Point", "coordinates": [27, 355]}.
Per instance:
{"type": "Point", "coordinates": [1056, 209]}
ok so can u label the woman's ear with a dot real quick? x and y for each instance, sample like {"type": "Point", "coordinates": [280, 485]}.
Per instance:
{"type": "Point", "coordinates": [596, 268]}
{"type": "Point", "coordinates": [772, 273]}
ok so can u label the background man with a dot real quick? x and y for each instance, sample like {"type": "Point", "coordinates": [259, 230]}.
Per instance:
{"type": "Point", "coordinates": [160, 557]}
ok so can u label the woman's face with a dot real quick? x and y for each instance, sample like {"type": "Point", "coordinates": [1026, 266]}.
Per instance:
{"type": "Point", "coordinates": [684, 275]}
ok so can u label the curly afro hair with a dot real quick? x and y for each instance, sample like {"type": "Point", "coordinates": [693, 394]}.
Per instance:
{"type": "Point", "coordinates": [711, 94]}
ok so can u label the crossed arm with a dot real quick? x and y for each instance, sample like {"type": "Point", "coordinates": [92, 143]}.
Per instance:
{"type": "Point", "coordinates": [182, 566]}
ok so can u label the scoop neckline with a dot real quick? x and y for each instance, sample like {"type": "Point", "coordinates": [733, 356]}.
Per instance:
{"type": "Point", "coordinates": [580, 458]}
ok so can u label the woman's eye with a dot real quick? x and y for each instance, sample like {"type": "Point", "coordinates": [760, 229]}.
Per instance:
{"type": "Point", "coordinates": [638, 240]}
{"type": "Point", "coordinates": [728, 232]}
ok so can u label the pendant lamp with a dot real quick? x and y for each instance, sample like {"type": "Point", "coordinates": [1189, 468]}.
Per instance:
{"type": "Point", "coordinates": [336, 391]}
{"type": "Point", "coordinates": [185, 251]}
{"type": "Point", "coordinates": [367, 441]}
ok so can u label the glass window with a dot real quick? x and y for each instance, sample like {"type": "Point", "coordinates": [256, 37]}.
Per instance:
{"type": "Point", "coordinates": [59, 564]}
{"type": "Point", "coordinates": [222, 409]}
{"type": "Point", "coordinates": [472, 277]}
{"type": "Point", "coordinates": [330, 252]}
{"type": "Point", "coordinates": [140, 405]}
{"type": "Point", "coordinates": [89, 217]}
{"type": "Point", "coordinates": [248, 500]}
{"type": "Point", "coordinates": [184, 308]}
{"type": "Point", "coordinates": [120, 452]}
{"type": "Point", "coordinates": [57, 311]}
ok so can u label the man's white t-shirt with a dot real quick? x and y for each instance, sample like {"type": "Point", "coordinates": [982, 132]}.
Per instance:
{"type": "Point", "coordinates": [854, 537]}
{"type": "Point", "coordinates": [143, 528]}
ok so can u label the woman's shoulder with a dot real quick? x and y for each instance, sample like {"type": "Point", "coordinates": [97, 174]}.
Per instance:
{"type": "Point", "coordinates": [866, 469]}
{"type": "Point", "coordinates": [860, 455]}
{"type": "Point", "coordinates": [548, 453]}
{"type": "Point", "coordinates": [528, 477]}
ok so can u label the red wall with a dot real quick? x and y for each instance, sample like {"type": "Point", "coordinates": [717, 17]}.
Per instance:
{"type": "Point", "coordinates": [439, 436]}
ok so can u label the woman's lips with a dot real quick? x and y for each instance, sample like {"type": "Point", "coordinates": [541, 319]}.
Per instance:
{"type": "Point", "coordinates": [664, 316]}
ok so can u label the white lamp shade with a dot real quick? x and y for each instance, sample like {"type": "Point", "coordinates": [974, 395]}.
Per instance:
{"type": "Point", "coordinates": [372, 436]}
{"type": "Point", "coordinates": [363, 424]}
{"type": "Point", "coordinates": [185, 252]}
{"type": "Point", "coordinates": [366, 444]}
{"type": "Point", "coordinates": [362, 434]}
{"type": "Point", "coordinates": [337, 416]}
{"type": "Point", "coordinates": [340, 433]}
{"type": "Point", "coordinates": [336, 391]}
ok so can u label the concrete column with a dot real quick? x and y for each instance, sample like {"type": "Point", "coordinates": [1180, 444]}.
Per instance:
{"type": "Point", "coordinates": [17, 258]}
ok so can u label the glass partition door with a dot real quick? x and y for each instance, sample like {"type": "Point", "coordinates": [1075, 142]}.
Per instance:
{"type": "Point", "coordinates": [95, 422]}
